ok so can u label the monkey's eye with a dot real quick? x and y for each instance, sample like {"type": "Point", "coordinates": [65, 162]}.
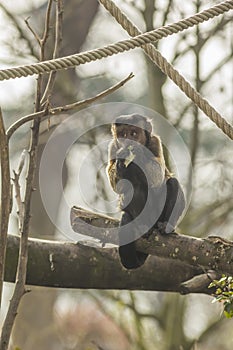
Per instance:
{"type": "Point", "coordinates": [134, 133]}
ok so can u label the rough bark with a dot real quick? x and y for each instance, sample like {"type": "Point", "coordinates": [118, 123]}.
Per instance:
{"type": "Point", "coordinates": [177, 263]}
{"type": "Point", "coordinates": [213, 252]}
{"type": "Point", "coordinates": [76, 265]}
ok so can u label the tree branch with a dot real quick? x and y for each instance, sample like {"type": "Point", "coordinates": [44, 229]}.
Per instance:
{"type": "Point", "coordinates": [6, 199]}
{"type": "Point", "coordinates": [211, 253]}
{"type": "Point", "coordinates": [36, 36]}
{"type": "Point", "coordinates": [87, 265]}
{"type": "Point", "coordinates": [177, 263]}
{"type": "Point", "coordinates": [19, 289]}
{"type": "Point", "coordinates": [20, 30]}
{"type": "Point", "coordinates": [56, 51]}
{"type": "Point", "coordinates": [58, 110]}
{"type": "Point", "coordinates": [18, 195]}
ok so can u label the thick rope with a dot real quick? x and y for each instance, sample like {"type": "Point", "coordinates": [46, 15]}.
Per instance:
{"type": "Point", "coordinates": [121, 46]}
{"type": "Point", "coordinates": [169, 70]}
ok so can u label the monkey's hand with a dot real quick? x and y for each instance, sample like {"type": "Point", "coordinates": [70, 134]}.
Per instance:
{"type": "Point", "coordinates": [121, 155]}
{"type": "Point", "coordinates": [165, 227]}
{"type": "Point", "coordinates": [129, 159]}
{"type": "Point", "coordinates": [124, 157]}
{"type": "Point", "coordinates": [134, 154]}
{"type": "Point", "coordinates": [126, 153]}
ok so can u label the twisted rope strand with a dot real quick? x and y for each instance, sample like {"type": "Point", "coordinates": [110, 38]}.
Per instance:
{"type": "Point", "coordinates": [169, 70]}
{"type": "Point", "coordinates": [121, 46]}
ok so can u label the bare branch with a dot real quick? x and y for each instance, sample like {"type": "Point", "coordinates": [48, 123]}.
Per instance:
{"type": "Point", "coordinates": [166, 12]}
{"type": "Point", "coordinates": [218, 66]}
{"type": "Point", "coordinates": [57, 46]}
{"type": "Point", "coordinates": [19, 289]}
{"type": "Point", "coordinates": [57, 110]}
{"type": "Point", "coordinates": [202, 83]}
{"type": "Point", "coordinates": [20, 30]}
{"type": "Point", "coordinates": [21, 162]}
{"type": "Point", "coordinates": [46, 29]}
{"type": "Point", "coordinates": [36, 36]}
{"type": "Point", "coordinates": [43, 42]}
{"type": "Point", "coordinates": [18, 195]}
{"type": "Point", "coordinates": [198, 282]}
{"type": "Point", "coordinates": [212, 253]}
{"type": "Point", "coordinates": [202, 40]}
{"type": "Point", "coordinates": [18, 198]}
{"type": "Point", "coordinates": [82, 104]}
{"type": "Point", "coordinates": [182, 114]}
{"type": "Point", "coordinates": [5, 207]}
{"type": "Point", "coordinates": [10, 131]}
{"type": "Point", "coordinates": [81, 265]}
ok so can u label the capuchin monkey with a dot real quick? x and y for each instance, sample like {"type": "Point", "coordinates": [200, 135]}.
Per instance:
{"type": "Point", "coordinates": [149, 195]}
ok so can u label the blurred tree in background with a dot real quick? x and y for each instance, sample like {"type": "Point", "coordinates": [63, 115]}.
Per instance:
{"type": "Point", "coordinates": [54, 319]}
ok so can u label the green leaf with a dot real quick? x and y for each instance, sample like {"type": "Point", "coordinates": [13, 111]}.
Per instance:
{"type": "Point", "coordinates": [228, 309]}
{"type": "Point", "coordinates": [218, 291]}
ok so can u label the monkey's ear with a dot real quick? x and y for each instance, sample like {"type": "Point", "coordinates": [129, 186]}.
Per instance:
{"type": "Point", "coordinates": [148, 126]}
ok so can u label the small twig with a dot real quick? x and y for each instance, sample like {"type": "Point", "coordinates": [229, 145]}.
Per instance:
{"type": "Point", "coordinates": [58, 41]}
{"type": "Point", "coordinates": [218, 67]}
{"type": "Point", "coordinates": [200, 282]}
{"type": "Point", "coordinates": [18, 195]}
{"type": "Point", "coordinates": [32, 30]}
{"type": "Point", "coordinates": [46, 28]}
{"type": "Point", "coordinates": [21, 162]}
{"type": "Point", "coordinates": [121, 326]}
{"type": "Point", "coordinates": [83, 103]}
{"type": "Point", "coordinates": [182, 114]}
{"type": "Point", "coordinates": [19, 29]}
{"type": "Point", "coordinates": [166, 13]}
{"type": "Point", "coordinates": [57, 110]}
{"type": "Point", "coordinates": [5, 207]}
{"type": "Point", "coordinates": [43, 42]}
{"type": "Point", "coordinates": [18, 198]}
{"type": "Point", "coordinates": [202, 40]}
{"type": "Point", "coordinates": [130, 306]}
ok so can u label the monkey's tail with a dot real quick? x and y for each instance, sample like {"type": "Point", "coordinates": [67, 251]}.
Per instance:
{"type": "Point", "coordinates": [130, 258]}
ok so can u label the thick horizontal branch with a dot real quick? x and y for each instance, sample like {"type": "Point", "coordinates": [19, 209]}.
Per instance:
{"type": "Point", "coordinates": [177, 263]}
{"type": "Point", "coordinates": [89, 266]}
{"type": "Point", "coordinates": [212, 253]}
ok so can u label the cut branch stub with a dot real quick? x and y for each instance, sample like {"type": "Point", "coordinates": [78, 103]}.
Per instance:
{"type": "Point", "coordinates": [86, 222]}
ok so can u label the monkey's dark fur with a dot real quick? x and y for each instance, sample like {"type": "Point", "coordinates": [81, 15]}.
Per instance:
{"type": "Point", "coordinates": [137, 156]}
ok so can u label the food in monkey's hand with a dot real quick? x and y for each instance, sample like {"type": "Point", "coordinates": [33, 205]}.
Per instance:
{"type": "Point", "coordinates": [129, 159]}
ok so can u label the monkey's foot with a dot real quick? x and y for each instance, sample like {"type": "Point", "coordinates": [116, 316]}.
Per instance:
{"type": "Point", "coordinates": [164, 227]}
{"type": "Point", "coordinates": [147, 234]}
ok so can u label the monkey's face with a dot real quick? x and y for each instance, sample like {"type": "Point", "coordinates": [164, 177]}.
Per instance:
{"type": "Point", "coordinates": [127, 133]}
